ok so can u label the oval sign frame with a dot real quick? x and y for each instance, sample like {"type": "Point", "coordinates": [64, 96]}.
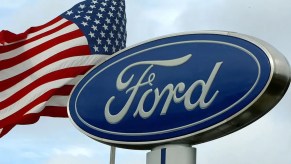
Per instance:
{"type": "Point", "coordinates": [273, 89]}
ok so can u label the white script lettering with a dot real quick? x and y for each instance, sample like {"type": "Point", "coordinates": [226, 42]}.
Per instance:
{"type": "Point", "coordinates": [170, 89]}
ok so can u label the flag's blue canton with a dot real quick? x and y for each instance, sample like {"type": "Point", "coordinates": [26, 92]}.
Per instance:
{"type": "Point", "coordinates": [103, 22]}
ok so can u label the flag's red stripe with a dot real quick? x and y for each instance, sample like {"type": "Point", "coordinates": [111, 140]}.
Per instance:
{"type": "Point", "coordinates": [17, 116]}
{"type": "Point", "coordinates": [50, 111]}
{"type": "Point", "coordinates": [11, 47]}
{"type": "Point", "coordinates": [31, 118]}
{"type": "Point", "coordinates": [38, 28]}
{"type": "Point", "coordinates": [66, 90]}
{"type": "Point", "coordinates": [9, 37]}
{"type": "Point", "coordinates": [4, 64]}
{"type": "Point", "coordinates": [55, 111]}
{"type": "Point", "coordinates": [6, 130]}
{"type": "Point", "coordinates": [60, 74]}
{"type": "Point", "coordinates": [75, 51]}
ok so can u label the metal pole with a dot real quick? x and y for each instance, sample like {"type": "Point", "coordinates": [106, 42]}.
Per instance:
{"type": "Point", "coordinates": [112, 155]}
{"type": "Point", "coordinates": [172, 154]}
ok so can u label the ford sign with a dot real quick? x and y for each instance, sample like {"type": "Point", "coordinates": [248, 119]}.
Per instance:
{"type": "Point", "coordinates": [185, 88]}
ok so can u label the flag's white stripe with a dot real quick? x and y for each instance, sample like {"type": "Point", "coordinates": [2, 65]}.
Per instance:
{"type": "Point", "coordinates": [33, 95]}
{"type": "Point", "coordinates": [37, 109]}
{"type": "Point", "coordinates": [65, 63]}
{"type": "Point", "coordinates": [1, 131]}
{"type": "Point", "coordinates": [58, 101]}
{"type": "Point", "coordinates": [60, 22]}
{"type": "Point", "coordinates": [26, 47]}
{"type": "Point", "coordinates": [31, 62]}
{"type": "Point", "coordinates": [7, 44]}
{"type": "Point", "coordinates": [78, 78]}
{"type": "Point", "coordinates": [31, 35]}
{"type": "Point", "coordinates": [3, 44]}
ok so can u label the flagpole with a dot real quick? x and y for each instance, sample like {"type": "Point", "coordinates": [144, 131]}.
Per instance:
{"type": "Point", "coordinates": [112, 154]}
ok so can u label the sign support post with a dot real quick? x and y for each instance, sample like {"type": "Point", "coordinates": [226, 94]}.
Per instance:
{"type": "Point", "coordinates": [112, 154]}
{"type": "Point", "coordinates": [172, 154]}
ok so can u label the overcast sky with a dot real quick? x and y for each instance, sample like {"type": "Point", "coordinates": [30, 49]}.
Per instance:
{"type": "Point", "coordinates": [56, 141]}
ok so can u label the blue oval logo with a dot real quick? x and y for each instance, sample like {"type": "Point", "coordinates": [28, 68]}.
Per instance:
{"type": "Point", "coordinates": [172, 89]}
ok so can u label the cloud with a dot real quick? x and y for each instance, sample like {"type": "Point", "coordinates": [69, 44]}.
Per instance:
{"type": "Point", "coordinates": [263, 19]}
{"type": "Point", "coordinates": [260, 18]}
{"type": "Point", "coordinates": [30, 155]}
{"type": "Point", "coordinates": [148, 19]}
{"type": "Point", "coordinates": [74, 151]}
{"type": "Point", "coordinates": [32, 13]}
{"type": "Point", "coordinates": [87, 155]}
{"type": "Point", "coordinates": [73, 160]}
{"type": "Point", "coordinates": [8, 4]}
{"type": "Point", "coordinates": [265, 141]}
{"type": "Point", "coordinates": [124, 156]}
{"type": "Point", "coordinates": [78, 155]}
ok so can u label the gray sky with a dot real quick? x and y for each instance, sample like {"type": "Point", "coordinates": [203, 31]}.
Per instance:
{"type": "Point", "coordinates": [56, 141]}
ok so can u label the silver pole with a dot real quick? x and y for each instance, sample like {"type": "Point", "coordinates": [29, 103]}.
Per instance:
{"type": "Point", "coordinates": [112, 155]}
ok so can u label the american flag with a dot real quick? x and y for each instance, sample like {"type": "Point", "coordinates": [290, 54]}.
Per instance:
{"type": "Point", "coordinates": [38, 68]}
